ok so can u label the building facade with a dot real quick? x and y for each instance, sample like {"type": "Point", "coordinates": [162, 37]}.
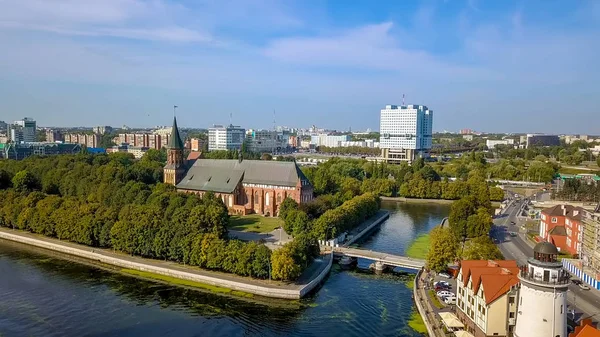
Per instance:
{"type": "Point", "coordinates": [149, 140]}
{"type": "Point", "coordinates": [225, 137]}
{"type": "Point", "coordinates": [54, 136]}
{"type": "Point", "coordinates": [561, 225]}
{"type": "Point", "coordinates": [490, 143]}
{"type": "Point", "coordinates": [406, 127]}
{"type": "Point", "coordinates": [198, 144]}
{"type": "Point", "coordinates": [88, 140]}
{"type": "Point", "coordinates": [103, 129]}
{"type": "Point", "coordinates": [486, 297]}
{"type": "Point", "coordinates": [542, 140]}
{"type": "Point", "coordinates": [329, 140]}
{"type": "Point", "coordinates": [18, 151]}
{"type": "Point", "coordinates": [265, 141]}
{"type": "Point", "coordinates": [244, 186]}
{"type": "Point", "coordinates": [23, 130]}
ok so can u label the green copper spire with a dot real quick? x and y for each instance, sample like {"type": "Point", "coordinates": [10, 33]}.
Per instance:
{"type": "Point", "coordinates": [175, 141]}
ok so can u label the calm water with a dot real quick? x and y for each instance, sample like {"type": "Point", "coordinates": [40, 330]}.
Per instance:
{"type": "Point", "coordinates": [41, 295]}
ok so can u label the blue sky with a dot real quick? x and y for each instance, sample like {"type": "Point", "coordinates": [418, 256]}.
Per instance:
{"type": "Point", "coordinates": [514, 66]}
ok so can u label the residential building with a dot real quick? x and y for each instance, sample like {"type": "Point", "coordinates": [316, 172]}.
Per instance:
{"type": "Point", "coordinates": [561, 225]}
{"type": "Point", "coordinates": [542, 140]}
{"type": "Point", "coordinates": [486, 296]}
{"type": "Point", "coordinates": [87, 140]}
{"type": "Point", "coordinates": [294, 141]}
{"type": "Point", "coordinates": [466, 132]}
{"type": "Point", "coordinates": [225, 137]}
{"type": "Point", "coordinates": [23, 130]}
{"type": "Point", "coordinates": [245, 186]}
{"type": "Point", "coordinates": [3, 138]}
{"type": "Point", "coordinates": [542, 295]}
{"type": "Point", "coordinates": [149, 140]}
{"type": "Point", "coordinates": [198, 144]}
{"type": "Point", "coordinates": [370, 143]}
{"type": "Point", "coordinates": [20, 151]}
{"type": "Point", "coordinates": [405, 132]}
{"type": "Point", "coordinates": [3, 127]}
{"type": "Point", "coordinates": [53, 136]}
{"type": "Point", "coordinates": [137, 151]}
{"type": "Point", "coordinates": [587, 267]}
{"type": "Point", "coordinates": [101, 130]}
{"type": "Point", "coordinates": [490, 143]}
{"type": "Point", "coordinates": [265, 141]}
{"type": "Point", "coordinates": [468, 138]}
{"type": "Point", "coordinates": [327, 140]}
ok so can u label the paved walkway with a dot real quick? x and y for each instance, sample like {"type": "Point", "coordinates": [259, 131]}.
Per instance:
{"type": "Point", "coordinates": [309, 274]}
{"type": "Point", "coordinates": [431, 311]}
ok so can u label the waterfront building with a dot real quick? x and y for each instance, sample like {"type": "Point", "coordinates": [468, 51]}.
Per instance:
{"type": "Point", "coordinates": [542, 299]}
{"type": "Point", "coordinates": [20, 151]}
{"type": "Point", "coordinates": [561, 225]}
{"type": "Point", "coordinates": [486, 296]}
{"type": "Point", "coordinates": [405, 132]}
{"type": "Point", "coordinates": [245, 186]}
{"type": "Point", "coordinates": [542, 140]}
{"type": "Point", "coordinates": [225, 137]}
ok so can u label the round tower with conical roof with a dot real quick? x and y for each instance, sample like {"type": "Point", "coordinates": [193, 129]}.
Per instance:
{"type": "Point", "coordinates": [174, 170]}
{"type": "Point", "coordinates": [542, 307]}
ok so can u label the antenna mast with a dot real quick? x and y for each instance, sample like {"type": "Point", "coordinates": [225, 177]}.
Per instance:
{"type": "Point", "coordinates": [175, 110]}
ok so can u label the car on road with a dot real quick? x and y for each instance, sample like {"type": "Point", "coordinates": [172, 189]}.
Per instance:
{"type": "Point", "coordinates": [446, 275]}
{"type": "Point", "coordinates": [580, 284]}
{"type": "Point", "coordinates": [513, 234]}
{"type": "Point", "coordinates": [513, 223]}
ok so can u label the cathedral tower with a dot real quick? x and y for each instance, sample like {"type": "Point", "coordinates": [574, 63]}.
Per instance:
{"type": "Point", "coordinates": [175, 168]}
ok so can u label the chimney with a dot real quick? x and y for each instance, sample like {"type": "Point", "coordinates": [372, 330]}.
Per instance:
{"type": "Point", "coordinates": [505, 272]}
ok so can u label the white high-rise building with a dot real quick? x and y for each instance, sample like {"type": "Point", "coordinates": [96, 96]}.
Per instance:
{"type": "Point", "coordinates": [542, 307]}
{"type": "Point", "coordinates": [225, 138]}
{"type": "Point", "coordinates": [405, 131]}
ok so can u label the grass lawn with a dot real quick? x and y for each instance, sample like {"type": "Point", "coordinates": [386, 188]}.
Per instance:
{"type": "Point", "coordinates": [254, 223]}
{"type": "Point", "coordinates": [434, 299]}
{"type": "Point", "coordinates": [418, 249]}
{"type": "Point", "coordinates": [574, 170]}
{"type": "Point", "coordinates": [416, 322]}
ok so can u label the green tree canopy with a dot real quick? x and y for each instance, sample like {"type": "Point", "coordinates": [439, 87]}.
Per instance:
{"type": "Point", "coordinates": [442, 250]}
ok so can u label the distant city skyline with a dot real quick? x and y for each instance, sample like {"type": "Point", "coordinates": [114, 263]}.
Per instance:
{"type": "Point", "coordinates": [494, 66]}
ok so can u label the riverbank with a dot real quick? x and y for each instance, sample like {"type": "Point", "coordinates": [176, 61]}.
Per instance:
{"type": "Point", "coordinates": [367, 226]}
{"type": "Point", "coordinates": [415, 200]}
{"type": "Point", "coordinates": [170, 270]}
{"type": "Point", "coordinates": [419, 248]}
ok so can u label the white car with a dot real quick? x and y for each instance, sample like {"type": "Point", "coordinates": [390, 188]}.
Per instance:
{"type": "Point", "coordinates": [445, 293]}
{"type": "Point", "coordinates": [450, 300]}
{"type": "Point", "coordinates": [446, 275]}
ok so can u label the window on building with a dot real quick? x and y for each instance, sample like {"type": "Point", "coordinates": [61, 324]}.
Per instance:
{"type": "Point", "coordinates": [256, 198]}
{"type": "Point", "coordinates": [279, 198]}
{"type": "Point", "coordinates": [561, 309]}
{"type": "Point", "coordinates": [511, 315]}
{"type": "Point", "coordinates": [554, 220]}
{"type": "Point", "coordinates": [267, 197]}
{"type": "Point", "coordinates": [511, 300]}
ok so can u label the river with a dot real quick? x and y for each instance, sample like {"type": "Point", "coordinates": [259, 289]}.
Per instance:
{"type": "Point", "coordinates": [44, 295]}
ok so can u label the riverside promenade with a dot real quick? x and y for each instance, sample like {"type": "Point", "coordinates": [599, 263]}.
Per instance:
{"type": "Point", "coordinates": [274, 289]}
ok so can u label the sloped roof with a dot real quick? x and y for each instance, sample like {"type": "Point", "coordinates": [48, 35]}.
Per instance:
{"type": "Point", "coordinates": [223, 175]}
{"type": "Point", "coordinates": [588, 331]}
{"type": "Point", "coordinates": [564, 210]}
{"type": "Point", "coordinates": [558, 230]}
{"type": "Point", "coordinates": [175, 140]}
{"type": "Point", "coordinates": [495, 285]}
{"type": "Point", "coordinates": [467, 265]}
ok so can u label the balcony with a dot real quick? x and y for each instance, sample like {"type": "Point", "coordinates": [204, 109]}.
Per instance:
{"type": "Point", "coordinates": [563, 279]}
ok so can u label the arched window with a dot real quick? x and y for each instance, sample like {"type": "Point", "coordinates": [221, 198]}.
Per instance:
{"type": "Point", "coordinates": [231, 201]}
{"type": "Point", "coordinates": [267, 197]}
{"type": "Point", "coordinates": [279, 198]}
{"type": "Point", "coordinates": [256, 198]}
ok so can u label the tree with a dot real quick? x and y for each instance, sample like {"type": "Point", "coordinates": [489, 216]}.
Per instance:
{"type": "Point", "coordinates": [287, 205]}
{"type": "Point", "coordinates": [24, 181]}
{"type": "Point", "coordinates": [443, 249]}
{"type": "Point", "coordinates": [598, 160]}
{"type": "Point", "coordinates": [496, 194]}
{"type": "Point", "coordinates": [283, 265]}
{"type": "Point", "coordinates": [481, 248]}
{"type": "Point", "coordinates": [266, 156]}
{"type": "Point", "coordinates": [4, 179]}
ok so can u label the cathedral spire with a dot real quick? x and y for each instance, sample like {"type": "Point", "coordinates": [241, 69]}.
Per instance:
{"type": "Point", "coordinates": [175, 141]}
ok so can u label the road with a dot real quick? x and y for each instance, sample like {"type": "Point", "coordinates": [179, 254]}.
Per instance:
{"type": "Point", "coordinates": [585, 302]}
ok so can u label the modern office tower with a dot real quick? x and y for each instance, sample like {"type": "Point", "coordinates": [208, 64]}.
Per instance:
{"type": "Point", "coordinates": [405, 132]}
{"type": "Point", "coordinates": [225, 137]}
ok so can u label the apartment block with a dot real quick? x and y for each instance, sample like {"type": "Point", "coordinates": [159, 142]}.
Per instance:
{"type": "Point", "coordinates": [143, 140]}
{"type": "Point", "coordinates": [88, 140]}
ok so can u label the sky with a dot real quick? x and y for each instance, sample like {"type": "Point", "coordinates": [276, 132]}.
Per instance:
{"type": "Point", "coordinates": [493, 66]}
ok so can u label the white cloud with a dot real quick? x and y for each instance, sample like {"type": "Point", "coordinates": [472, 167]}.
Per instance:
{"type": "Point", "coordinates": [131, 19]}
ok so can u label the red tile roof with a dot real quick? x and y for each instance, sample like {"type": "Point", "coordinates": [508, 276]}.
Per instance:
{"type": "Point", "coordinates": [564, 210]}
{"type": "Point", "coordinates": [497, 277]}
{"type": "Point", "coordinates": [586, 331]}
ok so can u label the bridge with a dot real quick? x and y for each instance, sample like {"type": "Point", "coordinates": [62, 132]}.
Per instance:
{"type": "Point", "coordinates": [381, 259]}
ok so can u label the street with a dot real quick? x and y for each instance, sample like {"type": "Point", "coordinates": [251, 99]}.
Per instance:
{"type": "Point", "coordinates": [585, 302]}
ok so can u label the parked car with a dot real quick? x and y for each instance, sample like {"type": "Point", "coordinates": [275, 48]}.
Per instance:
{"type": "Point", "coordinates": [450, 300]}
{"type": "Point", "coordinates": [441, 287]}
{"type": "Point", "coordinates": [513, 223]}
{"type": "Point", "coordinates": [444, 274]}
{"type": "Point", "coordinates": [443, 284]}
{"type": "Point", "coordinates": [444, 293]}
{"type": "Point", "coordinates": [513, 234]}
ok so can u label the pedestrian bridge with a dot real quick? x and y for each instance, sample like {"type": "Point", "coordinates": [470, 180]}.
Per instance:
{"type": "Point", "coordinates": [381, 259]}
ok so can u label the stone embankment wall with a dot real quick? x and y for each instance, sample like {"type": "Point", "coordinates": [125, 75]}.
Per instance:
{"type": "Point", "coordinates": [421, 301]}
{"type": "Point", "coordinates": [384, 216]}
{"type": "Point", "coordinates": [239, 285]}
